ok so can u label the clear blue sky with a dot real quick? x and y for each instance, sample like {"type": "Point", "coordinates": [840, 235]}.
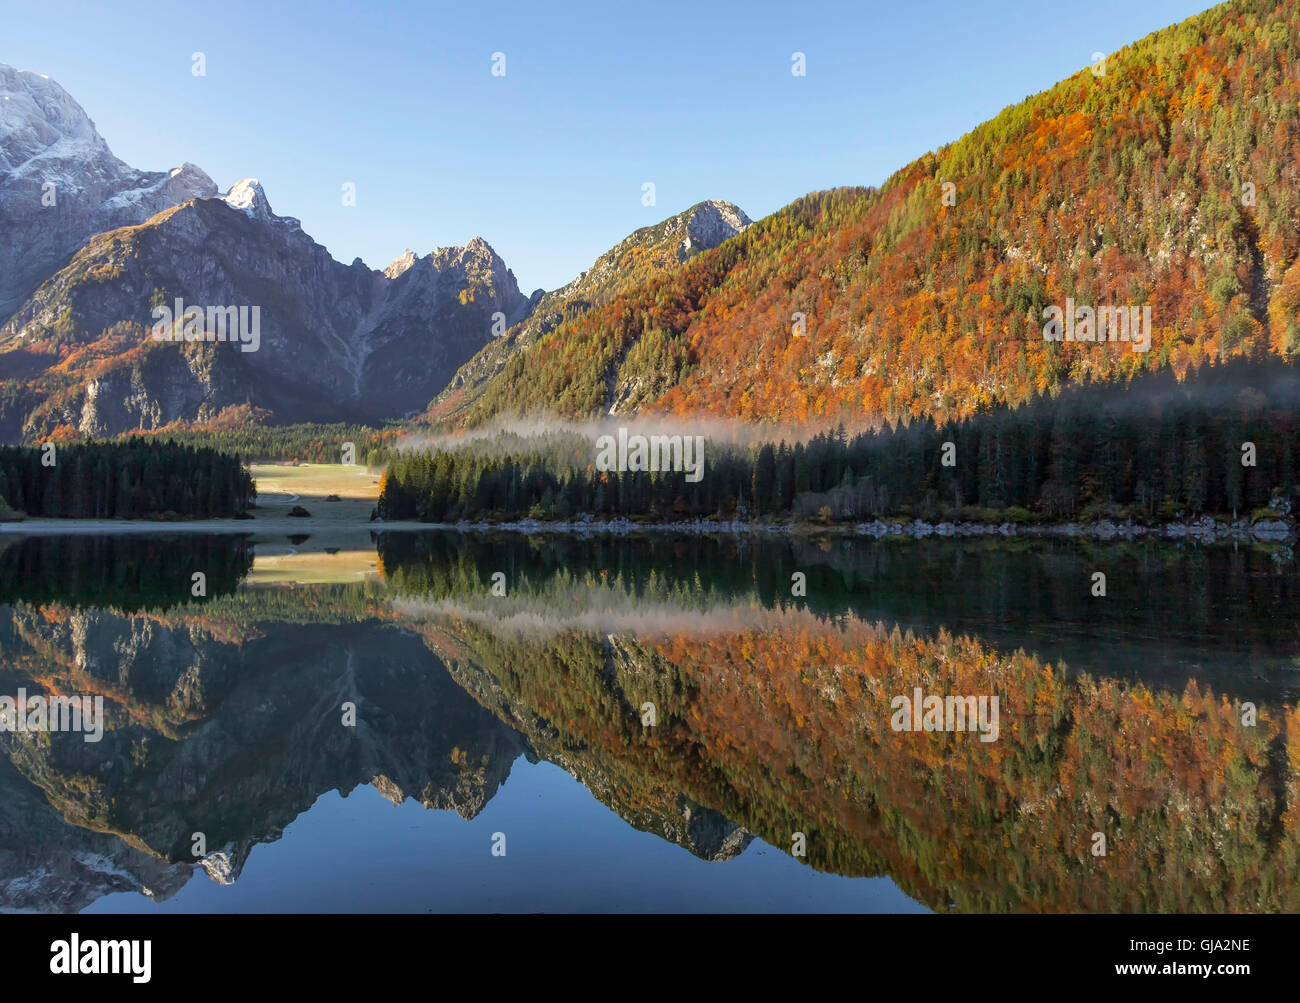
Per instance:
{"type": "Point", "coordinates": [547, 162]}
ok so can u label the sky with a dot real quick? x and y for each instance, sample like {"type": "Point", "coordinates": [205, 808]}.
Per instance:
{"type": "Point", "coordinates": [548, 162]}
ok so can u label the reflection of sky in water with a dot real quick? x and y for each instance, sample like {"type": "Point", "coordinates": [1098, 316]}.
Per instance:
{"type": "Point", "coordinates": [565, 852]}
{"type": "Point", "coordinates": [1226, 619]}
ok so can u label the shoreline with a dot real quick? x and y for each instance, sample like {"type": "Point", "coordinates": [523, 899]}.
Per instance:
{"type": "Point", "coordinates": [1204, 530]}
{"type": "Point", "coordinates": [243, 527]}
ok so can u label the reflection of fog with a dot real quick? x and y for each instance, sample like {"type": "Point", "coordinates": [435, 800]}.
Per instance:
{"type": "Point", "coordinates": [773, 712]}
{"type": "Point", "coordinates": [613, 613]}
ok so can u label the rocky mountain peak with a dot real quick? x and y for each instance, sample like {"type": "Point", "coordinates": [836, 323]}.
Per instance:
{"type": "Point", "coordinates": [249, 198]}
{"type": "Point", "coordinates": [401, 263]}
{"type": "Point", "coordinates": [191, 176]}
{"type": "Point", "coordinates": [709, 224]}
{"type": "Point", "coordinates": [159, 192]}
{"type": "Point", "coordinates": [60, 184]}
{"type": "Point", "coordinates": [475, 256]}
{"type": "Point", "coordinates": [38, 118]}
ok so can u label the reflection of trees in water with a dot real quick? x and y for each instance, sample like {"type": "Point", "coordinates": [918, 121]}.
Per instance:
{"type": "Point", "coordinates": [770, 718]}
{"type": "Point", "coordinates": [1219, 614]}
{"type": "Point", "coordinates": [784, 727]}
{"type": "Point", "coordinates": [126, 573]}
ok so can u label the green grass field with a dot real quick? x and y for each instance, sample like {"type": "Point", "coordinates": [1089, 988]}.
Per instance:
{"type": "Point", "coordinates": [316, 480]}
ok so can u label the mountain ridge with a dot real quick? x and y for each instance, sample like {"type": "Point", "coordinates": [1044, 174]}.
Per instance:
{"type": "Point", "coordinates": [60, 183]}
{"type": "Point", "coordinates": [335, 342]}
{"type": "Point", "coordinates": [334, 338]}
{"type": "Point", "coordinates": [1167, 178]}
{"type": "Point", "coordinates": [646, 251]}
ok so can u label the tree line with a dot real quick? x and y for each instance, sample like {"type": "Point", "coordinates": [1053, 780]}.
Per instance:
{"type": "Point", "coordinates": [1223, 441]}
{"type": "Point", "coordinates": [308, 442]}
{"type": "Point", "coordinates": [134, 479]}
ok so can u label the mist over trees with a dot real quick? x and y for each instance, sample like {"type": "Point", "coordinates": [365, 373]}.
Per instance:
{"type": "Point", "coordinates": [1222, 442]}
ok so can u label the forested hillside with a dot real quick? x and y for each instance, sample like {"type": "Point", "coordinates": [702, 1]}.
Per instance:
{"type": "Point", "coordinates": [1224, 442]}
{"type": "Point", "coordinates": [245, 432]}
{"type": "Point", "coordinates": [647, 252]}
{"type": "Point", "coordinates": [1164, 176]}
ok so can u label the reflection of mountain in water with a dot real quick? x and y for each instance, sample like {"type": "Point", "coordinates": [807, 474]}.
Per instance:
{"type": "Point", "coordinates": [47, 865]}
{"type": "Point", "coordinates": [233, 732]}
{"type": "Point", "coordinates": [230, 723]}
{"type": "Point", "coordinates": [226, 719]}
{"type": "Point", "coordinates": [648, 801]}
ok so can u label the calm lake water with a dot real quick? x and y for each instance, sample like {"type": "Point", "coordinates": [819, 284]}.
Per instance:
{"type": "Point", "coordinates": [447, 722]}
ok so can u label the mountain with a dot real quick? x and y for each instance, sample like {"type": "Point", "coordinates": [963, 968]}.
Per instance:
{"type": "Point", "coordinates": [437, 312]}
{"type": "Point", "coordinates": [332, 340]}
{"type": "Point", "coordinates": [90, 248]}
{"type": "Point", "coordinates": [323, 341]}
{"type": "Point", "coordinates": [60, 183]}
{"type": "Point", "coordinates": [1161, 181]}
{"type": "Point", "coordinates": [1164, 177]}
{"type": "Point", "coordinates": [648, 251]}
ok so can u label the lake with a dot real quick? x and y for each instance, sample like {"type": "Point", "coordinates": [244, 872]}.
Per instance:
{"type": "Point", "coordinates": [436, 721]}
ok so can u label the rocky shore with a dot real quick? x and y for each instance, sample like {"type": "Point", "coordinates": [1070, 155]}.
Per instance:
{"type": "Point", "coordinates": [1204, 530]}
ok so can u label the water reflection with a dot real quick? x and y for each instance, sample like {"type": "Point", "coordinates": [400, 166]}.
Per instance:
{"type": "Point", "coordinates": [690, 692]}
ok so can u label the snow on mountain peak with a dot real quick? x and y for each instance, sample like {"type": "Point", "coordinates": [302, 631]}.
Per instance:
{"type": "Point", "coordinates": [248, 197]}
{"type": "Point", "coordinates": [39, 119]}
{"type": "Point", "coordinates": [60, 183]}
